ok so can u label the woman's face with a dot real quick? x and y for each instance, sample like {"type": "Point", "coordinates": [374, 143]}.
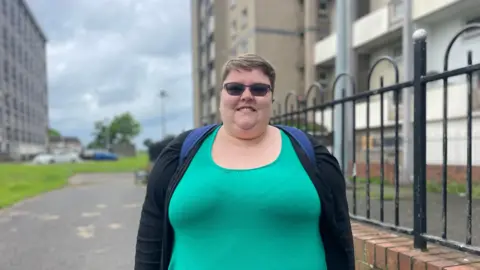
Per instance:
{"type": "Point", "coordinates": [246, 100]}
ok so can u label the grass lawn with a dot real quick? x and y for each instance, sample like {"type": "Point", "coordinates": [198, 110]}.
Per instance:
{"type": "Point", "coordinates": [20, 181]}
{"type": "Point", "coordinates": [406, 192]}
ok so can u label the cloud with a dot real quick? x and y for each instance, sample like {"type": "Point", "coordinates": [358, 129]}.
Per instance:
{"type": "Point", "coordinates": [110, 56]}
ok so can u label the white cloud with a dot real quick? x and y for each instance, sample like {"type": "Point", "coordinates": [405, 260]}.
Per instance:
{"type": "Point", "coordinates": [110, 56]}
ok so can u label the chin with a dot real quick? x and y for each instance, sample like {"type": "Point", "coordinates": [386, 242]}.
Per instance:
{"type": "Point", "coordinates": [246, 125]}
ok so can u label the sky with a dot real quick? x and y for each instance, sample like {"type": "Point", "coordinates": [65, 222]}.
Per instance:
{"type": "Point", "coordinates": [106, 57]}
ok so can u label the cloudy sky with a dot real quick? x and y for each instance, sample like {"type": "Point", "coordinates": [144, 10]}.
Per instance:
{"type": "Point", "coordinates": [106, 57]}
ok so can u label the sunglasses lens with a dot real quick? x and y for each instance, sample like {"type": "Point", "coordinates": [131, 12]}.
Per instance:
{"type": "Point", "coordinates": [234, 89]}
{"type": "Point", "coordinates": [259, 89]}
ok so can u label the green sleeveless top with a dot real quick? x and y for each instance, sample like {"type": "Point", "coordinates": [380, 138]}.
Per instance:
{"type": "Point", "coordinates": [265, 218]}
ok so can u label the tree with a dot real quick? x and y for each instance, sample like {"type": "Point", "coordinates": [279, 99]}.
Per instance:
{"type": "Point", "coordinates": [122, 129]}
{"type": "Point", "coordinates": [147, 142]}
{"type": "Point", "coordinates": [53, 133]}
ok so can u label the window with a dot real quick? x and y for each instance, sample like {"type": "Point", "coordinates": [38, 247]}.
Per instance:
{"type": "Point", "coordinates": [322, 9]}
{"type": "Point", "coordinates": [397, 53]}
{"type": "Point", "coordinates": [474, 31]}
{"type": "Point", "coordinates": [4, 7]}
{"type": "Point", "coordinates": [244, 18]}
{"type": "Point", "coordinates": [233, 30]}
{"type": "Point", "coordinates": [397, 7]}
{"type": "Point", "coordinates": [242, 47]}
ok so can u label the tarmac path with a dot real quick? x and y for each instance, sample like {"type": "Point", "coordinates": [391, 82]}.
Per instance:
{"type": "Point", "coordinates": [89, 225]}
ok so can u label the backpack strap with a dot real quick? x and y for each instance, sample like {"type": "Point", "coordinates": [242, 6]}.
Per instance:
{"type": "Point", "coordinates": [302, 140]}
{"type": "Point", "coordinates": [192, 138]}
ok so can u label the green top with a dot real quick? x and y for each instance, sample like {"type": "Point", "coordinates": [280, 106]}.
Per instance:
{"type": "Point", "coordinates": [265, 218]}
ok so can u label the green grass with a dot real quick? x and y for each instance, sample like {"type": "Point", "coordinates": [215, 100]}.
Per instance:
{"type": "Point", "coordinates": [375, 190]}
{"type": "Point", "coordinates": [20, 181]}
{"type": "Point", "coordinates": [405, 191]}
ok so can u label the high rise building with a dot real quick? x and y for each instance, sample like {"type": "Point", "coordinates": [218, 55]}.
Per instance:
{"type": "Point", "coordinates": [285, 34]}
{"type": "Point", "coordinates": [23, 81]}
{"type": "Point", "coordinates": [377, 32]}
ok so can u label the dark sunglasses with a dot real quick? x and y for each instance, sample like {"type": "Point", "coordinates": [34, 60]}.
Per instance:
{"type": "Point", "coordinates": [237, 89]}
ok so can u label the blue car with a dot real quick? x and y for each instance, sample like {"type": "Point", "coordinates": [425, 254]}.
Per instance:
{"type": "Point", "coordinates": [104, 156]}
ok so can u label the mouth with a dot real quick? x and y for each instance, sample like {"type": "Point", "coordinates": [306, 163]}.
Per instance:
{"type": "Point", "coordinates": [246, 109]}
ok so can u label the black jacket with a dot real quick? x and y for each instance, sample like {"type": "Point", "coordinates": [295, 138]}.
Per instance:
{"type": "Point", "coordinates": [155, 233]}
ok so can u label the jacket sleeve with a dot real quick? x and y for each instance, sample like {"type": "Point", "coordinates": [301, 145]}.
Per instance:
{"type": "Point", "coordinates": [328, 165]}
{"type": "Point", "coordinates": [149, 237]}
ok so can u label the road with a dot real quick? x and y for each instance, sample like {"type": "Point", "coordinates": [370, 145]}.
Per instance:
{"type": "Point", "coordinates": [90, 225]}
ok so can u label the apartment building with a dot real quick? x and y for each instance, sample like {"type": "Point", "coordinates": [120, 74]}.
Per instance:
{"type": "Point", "coordinates": [23, 81]}
{"type": "Point", "coordinates": [284, 34]}
{"type": "Point", "coordinates": [377, 32]}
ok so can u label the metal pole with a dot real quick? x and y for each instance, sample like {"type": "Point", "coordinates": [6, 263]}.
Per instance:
{"type": "Point", "coordinates": [351, 63]}
{"type": "Point", "coordinates": [163, 94]}
{"type": "Point", "coordinates": [107, 133]}
{"type": "Point", "coordinates": [407, 164]}
{"type": "Point", "coordinates": [340, 67]}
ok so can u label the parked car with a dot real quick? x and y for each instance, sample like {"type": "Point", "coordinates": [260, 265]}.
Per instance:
{"type": "Point", "coordinates": [98, 154]}
{"type": "Point", "coordinates": [46, 158]}
{"type": "Point", "coordinates": [104, 156]}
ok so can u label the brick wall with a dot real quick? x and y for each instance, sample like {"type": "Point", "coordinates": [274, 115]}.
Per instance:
{"type": "Point", "coordinates": [380, 249]}
{"type": "Point", "coordinates": [456, 173]}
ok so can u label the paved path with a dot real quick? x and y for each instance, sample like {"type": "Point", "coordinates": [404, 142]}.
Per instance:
{"type": "Point", "coordinates": [456, 214]}
{"type": "Point", "coordinates": [89, 226]}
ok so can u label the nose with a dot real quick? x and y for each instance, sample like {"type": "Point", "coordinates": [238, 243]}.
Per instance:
{"type": "Point", "coordinates": [247, 95]}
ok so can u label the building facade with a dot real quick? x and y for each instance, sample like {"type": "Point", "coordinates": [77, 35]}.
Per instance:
{"type": "Point", "coordinates": [23, 81]}
{"type": "Point", "coordinates": [284, 34]}
{"type": "Point", "coordinates": [377, 32]}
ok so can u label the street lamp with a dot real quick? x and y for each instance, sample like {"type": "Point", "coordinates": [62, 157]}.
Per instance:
{"type": "Point", "coordinates": [162, 95]}
{"type": "Point", "coordinates": [106, 124]}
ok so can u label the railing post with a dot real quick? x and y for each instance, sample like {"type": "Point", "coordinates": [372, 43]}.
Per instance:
{"type": "Point", "coordinates": [419, 139]}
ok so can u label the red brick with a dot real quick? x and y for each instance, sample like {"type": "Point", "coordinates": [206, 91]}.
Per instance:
{"type": "Point", "coordinates": [369, 253]}
{"type": "Point", "coordinates": [380, 257]}
{"type": "Point", "coordinates": [379, 249]}
{"type": "Point", "coordinates": [461, 267]}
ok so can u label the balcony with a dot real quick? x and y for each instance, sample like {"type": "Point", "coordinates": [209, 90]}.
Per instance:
{"type": "Point", "coordinates": [325, 49]}
{"type": "Point", "coordinates": [377, 24]}
{"type": "Point", "coordinates": [423, 8]}
{"type": "Point", "coordinates": [365, 29]}
{"type": "Point", "coordinates": [211, 24]}
{"type": "Point", "coordinates": [371, 27]}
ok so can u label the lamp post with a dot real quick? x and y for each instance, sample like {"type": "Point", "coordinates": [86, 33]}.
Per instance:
{"type": "Point", "coordinates": [162, 95]}
{"type": "Point", "coordinates": [106, 123]}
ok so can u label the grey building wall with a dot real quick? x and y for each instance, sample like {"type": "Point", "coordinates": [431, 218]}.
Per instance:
{"type": "Point", "coordinates": [23, 81]}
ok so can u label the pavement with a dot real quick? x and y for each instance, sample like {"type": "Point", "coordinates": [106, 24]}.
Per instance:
{"type": "Point", "coordinates": [92, 224]}
{"type": "Point", "coordinates": [456, 214]}
{"type": "Point", "coordinates": [89, 225]}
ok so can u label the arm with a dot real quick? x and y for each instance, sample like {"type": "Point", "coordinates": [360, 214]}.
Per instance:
{"type": "Point", "coordinates": [329, 167]}
{"type": "Point", "coordinates": [149, 238]}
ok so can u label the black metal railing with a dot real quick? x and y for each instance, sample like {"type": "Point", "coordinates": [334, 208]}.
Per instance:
{"type": "Point", "coordinates": [375, 149]}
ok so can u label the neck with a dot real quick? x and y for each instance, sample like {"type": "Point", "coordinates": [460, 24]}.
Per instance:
{"type": "Point", "coordinates": [245, 139]}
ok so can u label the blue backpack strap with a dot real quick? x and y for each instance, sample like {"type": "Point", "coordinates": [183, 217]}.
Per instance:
{"type": "Point", "coordinates": [192, 138]}
{"type": "Point", "coordinates": [302, 140]}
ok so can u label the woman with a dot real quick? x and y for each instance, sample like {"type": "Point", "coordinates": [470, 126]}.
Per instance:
{"type": "Point", "coordinates": [245, 197]}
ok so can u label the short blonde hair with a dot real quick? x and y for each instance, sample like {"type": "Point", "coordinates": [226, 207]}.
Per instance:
{"type": "Point", "coordinates": [249, 62]}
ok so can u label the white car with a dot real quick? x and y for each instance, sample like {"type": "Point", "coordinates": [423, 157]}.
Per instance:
{"type": "Point", "coordinates": [56, 158]}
